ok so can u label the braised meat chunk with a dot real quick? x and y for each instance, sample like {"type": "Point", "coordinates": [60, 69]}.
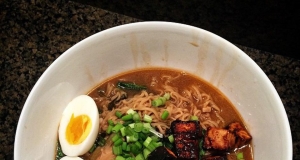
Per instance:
{"type": "Point", "coordinates": [219, 139]}
{"type": "Point", "coordinates": [242, 136]}
{"type": "Point", "coordinates": [226, 139]}
{"type": "Point", "coordinates": [215, 158]}
{"type": "Point", "coordinates": [186, 138]}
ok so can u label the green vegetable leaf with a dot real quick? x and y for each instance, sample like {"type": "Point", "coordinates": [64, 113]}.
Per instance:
{"type": "Point", "coordinates": [130, 86]}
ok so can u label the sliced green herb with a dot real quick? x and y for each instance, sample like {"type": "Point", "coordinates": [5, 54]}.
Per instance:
{"type": "Point", "coordinates": [165, 115]}
{"type": "Point", "coordinates": [120, 158]}
{"type": "Point", "coordinates": [161, 100]}
{"type": "Point", "coordinates": [130, 86]}
{"type": "Point", "coordinates": [118, 114]}
{"type": "Point", "coordinates": [59, 153]}
{"type": "Point", "coordinates": [147, 118]}
{"type": "Point", "coordinates": [240, 156]}
{"type": "Point", "coordinates": [127, 117]}
{"type": "Point", "coordinates": [194, 118]}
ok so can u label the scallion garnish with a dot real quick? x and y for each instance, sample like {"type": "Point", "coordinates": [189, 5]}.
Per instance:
{"type": "Point", "coordinates": [171, 138]}
{"type": "Point", "coordinates": [109, 129]}
{"type": "Point", "coordinates": [127, 117]}
{"type": "Point", "coordinates": [120, 158]}
{"type": "Point", "coordinates": [110, 122]}
{"type": "Point", "coordinates": [194, 118]}
{"type": "Point", "coordinates": [165, 115]}
{"type": "Point", "coordinates": [117, 150]}
{"type": "Point", "coordinates": [240, 156]}
{"type": "Point", "coordinates": [118, 114]}
{"type": "Point", "coordinates": [117, 127]}
{"type": "Point", "coordinates": [140, 157]}
{"type": "Point", "coordinates": [161, 100]}
{"type": "Point", "coordinates": [147, 141]}
{"type": "Point", "coordinates": [116, 137]}
{"type": "Point", "coordinates": [147, 118]}
{"type": "Point", "coordinates": [136, 117]}
{"type": "Point", "coordinates": [138, 127]}
{"type": "Point", "coordinates": [118, 142]}
{"type": "Point", "coordinates": [133, 138]}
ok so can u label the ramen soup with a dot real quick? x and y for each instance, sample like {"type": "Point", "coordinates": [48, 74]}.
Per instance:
{"type": "Point", "coordinates": [160, 113]}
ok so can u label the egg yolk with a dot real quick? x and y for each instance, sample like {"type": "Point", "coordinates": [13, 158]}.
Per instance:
{"type": "Point", "coordinates": [78, 129]}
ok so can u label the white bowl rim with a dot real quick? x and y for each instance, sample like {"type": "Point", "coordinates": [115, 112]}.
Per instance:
{"type": "Point", "coordinates": [68, 52]}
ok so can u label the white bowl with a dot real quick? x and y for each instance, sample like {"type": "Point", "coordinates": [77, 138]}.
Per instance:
{"type": "Point", "coordinates": [148, 44]}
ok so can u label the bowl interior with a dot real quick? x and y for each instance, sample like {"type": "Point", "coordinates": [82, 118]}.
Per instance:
{"type": "Point", "coordinates": [154, 44]}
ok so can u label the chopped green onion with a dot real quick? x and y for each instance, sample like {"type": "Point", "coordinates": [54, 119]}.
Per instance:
{"type": "Point", "coordinates": [126, 123]}
{"type": "Point", "coordinates": [161, 100]}
{"type": "Point", "coordinates": [146, 152]}
{"type": "Point", "coordinates": [151, 146]}
{"type": "Point", "coordinates": [134, 149]}
{"type": "Point", "coordinates": [147, 141]}
{"type": "Point", "coordinates": [128, 148]}
{"type": "Point", "coordinates": [131, 125]}
{"type": "Point", "coordinates": [110, 122]}
{"type": "Point", "coordinates": [157, 102]}
{"type": "Point", "coordinates": [138, 127]}
{"type": "Point", "coordinates": [145, 130]}
{"type": "Point", "coordinates": [136, 117]}
{"type": "Point", "coordinates": [142, 136]}
{"type": "Point", "coordinates": [117, 150]}
{"type": "Point", "coordinates": [130, 111]}
{"type": "Point", "coordinates": [127, 117]}
{"type": "Point", "coordinates": [158, 144]}
{"type": "Point", "coordinates": [194, 118]}
{"type": "Point", "coordinates": [129, 131]}
{"type": "Point", "coordinates": [165, 115]}
{"type": "Point", "coordinates": [118, 114]}
{"type": "Point", "coordinates": [167, 96]}
{"type": "Point", "coordinates": [147, 118]}
{"type": "Point", "coordinates": [155, 138]}
{"type": "Point", "coordinates": [116, 137]}
{"type": "Point", "coordinates": [122, 131]}
{"type": "Point", "coordinates": [124, 146]}
{"type": "Point", "coordinates": [126, 155]}
{"type": "Point", "coordinates": [120, 158]}
{"type": "Point", "coordinates": [147, 125]}
{"type": "Point", "coordinates": [132, 138]}
{"type": "Point", "coordinates": [171, 138]}
{"type": "Point", "coordinates": [240, 156]}
{"type": "Point", "coordinates": [117, 127]}
{"type": "Point", "coordinates": [109, 129]}
{"type": "Point", "coordinates": [138, 144]}
{"type": "Point", "coordinates": [118, 142]}
{"type": "Point", "coordinates": [140, 157]}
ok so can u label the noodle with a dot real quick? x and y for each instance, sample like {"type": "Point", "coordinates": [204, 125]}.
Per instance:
{"type": "Point", "coordinates": [182, 105]}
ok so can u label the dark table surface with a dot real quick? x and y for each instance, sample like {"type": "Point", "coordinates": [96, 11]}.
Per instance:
{"type": "Point", "coordinates": [34, 33]}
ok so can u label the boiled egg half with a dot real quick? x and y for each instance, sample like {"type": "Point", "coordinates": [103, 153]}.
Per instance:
{"type": "Point", "coordinates": [71, 158]}
{"type": "Point", "coordinates": [79, 126]}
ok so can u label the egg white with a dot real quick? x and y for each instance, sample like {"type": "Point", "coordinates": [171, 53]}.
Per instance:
{"type": "Point", "coordinates": [80, 105]}
{"type": "Point", "coordinates": [71, 158]}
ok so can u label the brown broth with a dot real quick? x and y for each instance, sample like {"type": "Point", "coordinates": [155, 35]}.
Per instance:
{"type": "Point", "coordinates": [144, 76]}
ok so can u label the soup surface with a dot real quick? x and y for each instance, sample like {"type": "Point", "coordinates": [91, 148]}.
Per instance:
{"type": "Point", "coordinates": [190, 96]}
